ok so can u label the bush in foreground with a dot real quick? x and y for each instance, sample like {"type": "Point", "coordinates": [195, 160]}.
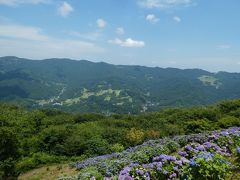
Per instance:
{"type": "Point", "coordinates": [203, 156]}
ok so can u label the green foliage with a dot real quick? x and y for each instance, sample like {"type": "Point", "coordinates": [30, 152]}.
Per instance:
{"type": "Point", "coordinates": [172, 146]}
{"type": "Point", "coordinates": [228, 121]}
{"type": "Point", "coordinates": [7, 169]}
{"type": "Point", "coordinates": [31, 139]}
{"type": "Point", "coordinates": [135, 136]}
{"type": "Point", "coordinates": [145, 154]}
{"type": "Point", "coordinates": [213, 167]}
{"type": "Point", "coordinates": [8, 143]}
{"type": "Point", "coordinates": [197, 126]}
{"type": "Point", "coordinates": [87, 173]}
{"type": "Point", "coordinates": [117, 147]}
{"type": "Point", "coordinates": [153, 134]}
{"type": "Point", "coordinates": [8, 152]}
{"type": "Point", "coordinates": [27, 163]}
{"type": "Point", "coordinates": [96, 146]}
{"type": "Point", "coordinates": [104, 88]}
{"type": "Point", "coordinates": [52, 139]}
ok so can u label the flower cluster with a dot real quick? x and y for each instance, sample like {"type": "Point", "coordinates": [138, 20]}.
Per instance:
{"type": "Point", "coordinates": [238, 150]}
{"type": "Point", "coordinates": [194, 160]}
{"type": "Point", "coordinates": [197, 156]}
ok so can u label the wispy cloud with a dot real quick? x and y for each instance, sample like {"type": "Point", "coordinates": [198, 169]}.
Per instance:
{"type": "Point", "coordinates": [120, 31]}
{"type": "Point", "coordinates": [18, 2]}
{"type": "Point", "coordinates": [92, 36]}
{"type": "Point", "coordinates": [101, 23]}
{"type": "Point", "coordinates": [65, 9]}
{"type": "Point", "coordinates": [224, 46]}
{"type": "Point", "coordinates": [152, 18]}
{"type": "Point", "coordinates": [22, 32]}
{"type": "Point", "coordinates": [4, 19]}
{"type": "Point", "coordinates": [164, 4]}
{"type": "Point", "coordinates": [177, 19]}
{"type": "Point", "coordinates": [129, 42]}
{"type": "Point", "coordinates": [25, 41]}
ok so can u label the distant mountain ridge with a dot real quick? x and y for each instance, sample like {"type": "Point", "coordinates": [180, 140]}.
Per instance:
{"type": "Point", "coordinates": [100, 87]}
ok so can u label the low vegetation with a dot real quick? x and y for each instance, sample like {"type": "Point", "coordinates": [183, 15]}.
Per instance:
{"type": "Point", "coordinates": [211, 155]}
{"type": "Point", "coordinates": [31, 139]}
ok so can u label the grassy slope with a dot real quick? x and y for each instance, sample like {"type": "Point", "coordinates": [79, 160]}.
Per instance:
{"type": "Point", "coordinates": [48, 172]}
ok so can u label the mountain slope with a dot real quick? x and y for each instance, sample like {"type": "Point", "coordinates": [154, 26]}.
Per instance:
{"type": "Point", "coordinates": [101, 87]}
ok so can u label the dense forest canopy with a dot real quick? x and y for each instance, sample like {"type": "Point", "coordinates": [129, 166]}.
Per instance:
{"type": "Point", "coordinates": [85, 86]}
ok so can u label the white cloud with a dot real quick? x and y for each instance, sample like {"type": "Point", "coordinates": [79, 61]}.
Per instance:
{"type": "Point", "coordinates": [152, 18]}
{"type": "Point", "coordinates": [18, 2]}
{"type": "Point", "coordinates": [4, 19]}
{"type": "Point", "coordinates": [127, 42]}
{"type": "Point", "coordinates": [65, 9]}
{"type": "Point", "coordinates": [92, 36]}
{"type": "Point", "coordinates": [30, 42]}
{"type": "Point", "coordinates": [22, 32]}
{"type": "Point", "coordinates": [172, 62]}
{"type": "Point", "coordinates": [177, 19]}
{"type": "Point", "coordinates": [120, 31]}
{"type": "Point", "coordinates": [101, 23]}
{"type": "Point", "coordinates": [48, 49]}
{"type": "Point", "coordinates": [224, 46]}
{"type": "Point", "coordinates": [164, 4]}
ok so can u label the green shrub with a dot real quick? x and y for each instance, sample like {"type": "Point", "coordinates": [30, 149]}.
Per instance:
{"type": "Point", "coordinates": [96, 146]}
{"type": "Point", "coordinates": [87, 173]}
{"type": "Point", "coordinates": [135, 136]}
{"type": "Point", "coordinates": [172, 146]}
{"type": "Point", "coordinates": [197, 126]}
{"type": "Point", "coordinates": [145, 154]}
{"type": "Point", "coordinates": [8, 152]}
{"type": "Point", "coordinates": [7, 169]}
{"type": "Point", "coordinates": [208, 166]}
{"type": "Point", "coordinates": [37, 159]}
{"type": "Point", "coordinates": [228, 121]}
{"type": "Point", "coordinates": [117, 147]}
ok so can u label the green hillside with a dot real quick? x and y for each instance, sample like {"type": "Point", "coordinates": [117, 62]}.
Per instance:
{"type": "Point", "coordinates": [100, 87]}
{"type": "Point", "coordinates": [31, 139]}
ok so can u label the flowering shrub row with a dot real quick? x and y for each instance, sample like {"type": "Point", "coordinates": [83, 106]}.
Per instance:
{"type": "Point", "coordinates": [194, 161]}
{"type": "Point", "coordinates": [209, 155]}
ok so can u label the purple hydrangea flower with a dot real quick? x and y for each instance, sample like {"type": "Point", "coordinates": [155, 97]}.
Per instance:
{"type": "Point", "coordinates": [175, 169]}
{"type": "Point", "coordinates": [147, 176]}
{"type": "Point", "coordinates": [188, 147]}
{"type": "Point", "coordinates": [238, 150]}
{"type": "Point", "coordinates": [165, 172]}
{"type": "Point", "coordinates": [200, 148]}
{"type": "Point", "coordinates": [125, 177]}
{"type": "Point", "coordinates": [173, 175]}
{"type": "Point", "coordinates": [179, 163]}
{"type": "Point", "coordinates": [139, 172]}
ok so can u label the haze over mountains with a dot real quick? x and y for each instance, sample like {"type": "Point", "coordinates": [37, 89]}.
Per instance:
{"type": "Point", "coordinates": [100, 87]}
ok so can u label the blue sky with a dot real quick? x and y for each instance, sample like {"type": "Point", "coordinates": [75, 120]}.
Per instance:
{"type": "Point", "coordinates": [166, 33]}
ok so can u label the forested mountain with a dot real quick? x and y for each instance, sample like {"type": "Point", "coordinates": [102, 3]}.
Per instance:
{"type": "Point", "coordinates": [100, 87]}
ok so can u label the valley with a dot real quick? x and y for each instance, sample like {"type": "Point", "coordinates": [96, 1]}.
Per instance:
{"type": "Point", "coordinates": [85, 86]}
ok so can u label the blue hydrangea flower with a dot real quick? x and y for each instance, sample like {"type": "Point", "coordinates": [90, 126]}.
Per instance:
{"type": "Point", "coordinates": [238, 150]}
{"type": "Point", "coordinates": [192, 162]}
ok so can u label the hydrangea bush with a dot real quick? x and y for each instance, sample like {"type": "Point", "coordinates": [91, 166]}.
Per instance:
{"type": "Point", "coordinates": [201, 156]}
